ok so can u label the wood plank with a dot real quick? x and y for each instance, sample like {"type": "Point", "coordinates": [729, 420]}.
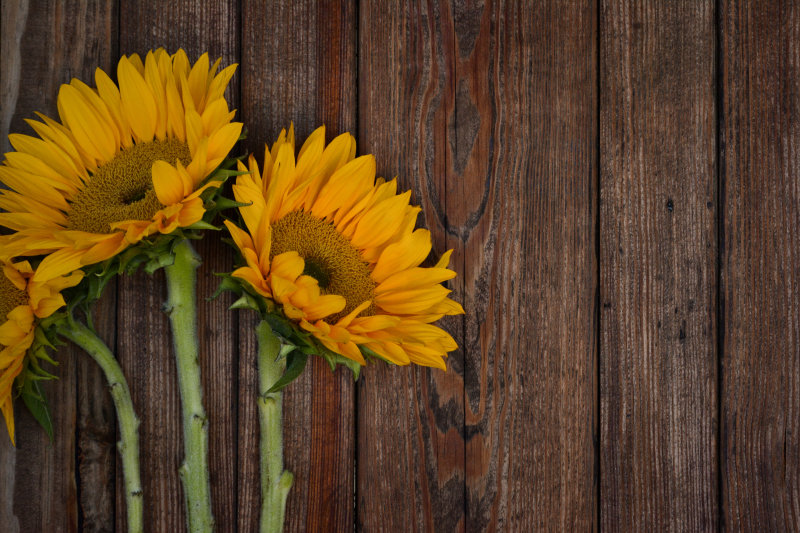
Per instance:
{"type": "Point", "coordinates": [298, 65]}
{"type": "Point", "coordinates": [196, 27]}
{"type": "Point", "coordinates": [760, 258]}
{"type": "Point", "coordinates": [42, 45]}
{"type": "Point", "coordinates": [97, 427]}
{"type": "Point", "coordinates": [452, 103]}
{"type": "Point", "coordinates": [658, 249]}
{"type": "Point", "coordinates": [410, 419]}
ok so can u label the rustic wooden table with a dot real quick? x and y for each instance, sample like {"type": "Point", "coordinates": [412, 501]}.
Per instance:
{"type": "Point", "coordinates": [621, 184]}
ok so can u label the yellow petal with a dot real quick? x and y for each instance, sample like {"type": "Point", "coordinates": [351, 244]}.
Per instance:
{"type": "Point", "coordinates": [167, 183]}
{"type": "Point", "coordinates": [90, 130]}
{"type": "Point", "coordinates": [326, 305]}
{"type": "Point", "coordinates": [138, 103]}
{"type": "Point", "coordinates": [381, 222]}
{"type": "Point", "coordinates": [109, 93]}
{"type": "Point", "coordinates": [8, 413]}
{"type": "Point", "coordinates": [409, 252]}
{"type": "Point", "coordinates": [414, 278]}
{"type": "Point", "coordinates": [411, 301]}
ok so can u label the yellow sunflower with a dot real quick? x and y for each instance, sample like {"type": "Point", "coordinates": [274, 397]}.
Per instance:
{"type": "Point", "coordinates": [336, 248]}
{"type": "Point", "coordinates": [126, 161]}
{"type": "Point", "coordinates": [23, 300]}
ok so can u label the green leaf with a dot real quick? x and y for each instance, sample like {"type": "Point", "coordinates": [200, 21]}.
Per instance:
{"type": "Point", "coordinates": [279, 325]}
{"type": "Point", "coordinates": [223, 203]}
{"type": "Point", "coordinates": [295, 363]}
{"type": "Point", "coordinates": [228, 283]}
{"type": "Point", "coordinates": [245, 301]}
{"type": "Point", "coordinates": [202, 224]}
{"type": "Point", "coordinates": [35, 401]}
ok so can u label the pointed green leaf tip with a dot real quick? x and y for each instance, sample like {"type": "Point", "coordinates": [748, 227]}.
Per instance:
{"type": "Point", "coordinates": [295, 363]}
{"type": "Point", "coordinates": [35, 401]}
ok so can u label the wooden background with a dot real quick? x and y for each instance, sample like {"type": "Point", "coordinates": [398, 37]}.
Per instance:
{"type": "Point", "coordinates": [621, 184]}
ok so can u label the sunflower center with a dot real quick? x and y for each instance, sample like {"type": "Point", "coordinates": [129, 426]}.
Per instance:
{"type": "Point", "coordinates": [329, 258]}
{"type": "Point", "coordinates": [122, 189]}
{"type": "Point", "coordinates": [10, 297]}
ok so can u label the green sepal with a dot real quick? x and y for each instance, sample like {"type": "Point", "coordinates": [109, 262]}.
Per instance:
{"type": "Point", "coordinates": [245, 301]}
{"type": "Point", "coordinates": [203, 225]}
{"type": "Point", "coordinates": [34, 399]}
{"type": "Point", "coordinates": [295, 363]}
{"type": "Point", "coordinates": [27, 382]}
{"type": "Point", "coordinates": [222, 203]}
{"type": "Point", "coordinates": [334, 359]}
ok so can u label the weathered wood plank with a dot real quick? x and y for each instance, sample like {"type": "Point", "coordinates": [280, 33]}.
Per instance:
{"type": "Point", "coordinates": [298, 65]}
{"type": "Point", "coordinates": [410, 419]}
{"type": "Point", "coordinates": [658, 250]}
{"type": "Point", "coordinates": [452, 103]}
{"type": "Point", "coordinates": [760, 262]}
{"type": "Point", "coordinates": [97, 427]}
{"type": "Point", "coordinates": [42, 45]}
{"type": "Point", "coordinates": [196, 27]}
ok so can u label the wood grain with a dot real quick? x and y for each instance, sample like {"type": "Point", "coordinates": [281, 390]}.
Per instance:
{"type": "Point", "coordinates": [97, 431]}
{"type": "Point", "coordinates": [298, 65]}
{"type": "Point", "coordinates": [760, 258]}
{"type": "Point", "coordinates": [197, 27]}
{"type": "Point", "coordinates": [66, 484]}
{"type": "Point", "coordinates": [503, 440]}
{"type": "Point", "coordinates": [658, 249]}
{"type": "Point", "coordinates": [410, 419]}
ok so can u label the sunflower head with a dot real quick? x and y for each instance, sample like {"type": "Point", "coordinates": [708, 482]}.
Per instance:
{"type": "Point", "coordinates": [127, 163]}
{"type": "Point", "coordinates": [26, 305]}
{"type": "Point", "coordinates": [332, 254]}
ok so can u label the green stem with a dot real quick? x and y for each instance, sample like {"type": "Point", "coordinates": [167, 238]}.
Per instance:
{"type": "Point", "coordinates": [182, 309]}
{"type": "Point", "coordinates": [128, 423]}
{"type": "Point", "coordinates": [275, 481]}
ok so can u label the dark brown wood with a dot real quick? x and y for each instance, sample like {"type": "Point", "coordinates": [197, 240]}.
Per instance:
{"type": "Point", "coordinates": [760, 265]}
{"type": "Point", "coordinates": [97, 427]}
{"type": "Point", "coordinates": [658, 251]}
{"type": "Point", "coordinates": [197, 27]}
{"type": "Point", "coordinates": [631, 369]}
{"type": "Point", "coordinates": [68, 483]}
{"type": "Point", "coordinates": [299, 65]}
{"type": "Point", "coordinates": [498, 143]}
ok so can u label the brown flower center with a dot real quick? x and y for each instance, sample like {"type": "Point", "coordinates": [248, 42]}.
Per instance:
{"type": "Point", "coordinates": [122, 189]}
{"type": "Point", "coordinates": [329, 258]}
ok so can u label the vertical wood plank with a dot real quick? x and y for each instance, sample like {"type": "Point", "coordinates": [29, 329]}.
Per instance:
{"type": "Point", "coordinates": [67, 484]}
{"type": "Point", "coordinates": [658, 251]}
{"type": "Point", "coordinates": [197, 27]}
{"type": "Point", "coordinates": [299, 65]}
{"type": "Point", "coordinates": [97, 427]}
{"type": "Point", "coordinates": [488, 112]}
{"type": "Point", "coordinates": [760, 272]}
{"type": "Point", "coordinates": [410, 419]}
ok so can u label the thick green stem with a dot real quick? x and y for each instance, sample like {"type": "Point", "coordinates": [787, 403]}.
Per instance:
{"type": "Point", "coordinates": [128, 423]}
{"type": "Point", "coordinates": [275, 481]}
{"type": "Point", "coordinates": [182, 309]}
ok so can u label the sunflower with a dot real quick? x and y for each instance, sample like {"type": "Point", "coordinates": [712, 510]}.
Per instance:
{"type": "Point", "coordinates": [336, 249]}
{"type": "Point", "coordinates": [23, 301]}
{"type": "Point", "coordinates": [126, 161]}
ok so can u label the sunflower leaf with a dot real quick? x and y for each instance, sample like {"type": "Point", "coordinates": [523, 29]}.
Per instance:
{"type": "Point", "coordinates": [35, 401]}
{"type": "Point", "coordinates": [245, 301]}
{"type": "Point", "coordinates": [279, 325]}
{"type": "Point", "coordinates": [295, 363]}
{"type": "Point", "coordinates": [202, 224]}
